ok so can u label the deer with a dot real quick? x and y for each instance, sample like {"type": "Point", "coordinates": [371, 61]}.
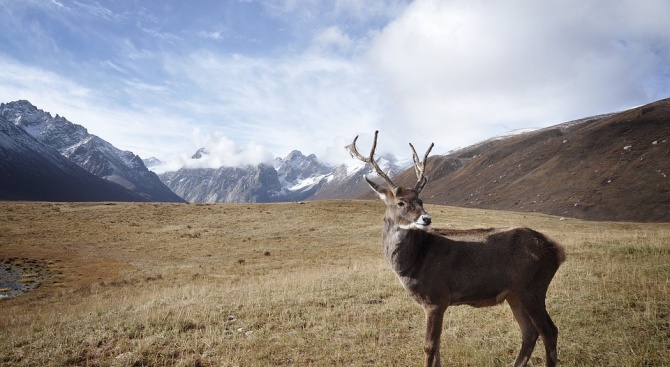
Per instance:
{"type": "Point", "coordinates": [477, 267]}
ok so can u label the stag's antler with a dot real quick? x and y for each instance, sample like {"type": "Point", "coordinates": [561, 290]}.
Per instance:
{"type": "Point", "coordinates": [371, 159]}
{"type": "Point", "coordinates": [420, 167]}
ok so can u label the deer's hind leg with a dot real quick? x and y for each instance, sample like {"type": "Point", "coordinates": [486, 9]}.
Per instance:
{"type": "Point", "coordinates": [536, 309]}
{"type": "Point", "coordinates": [529, 333]}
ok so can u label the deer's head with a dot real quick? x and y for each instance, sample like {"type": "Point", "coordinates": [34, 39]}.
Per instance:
{"type": "Point", "coordinates": [403, 205]}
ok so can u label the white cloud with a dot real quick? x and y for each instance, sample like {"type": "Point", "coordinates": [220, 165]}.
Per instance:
{"type": "Point", "coordinates": [235, 105]}
{"type": "Point", "coordinates": [332, 37]}
{"type": "Point", "coordinates": [38, 86]}
{"type": "Point", "coordinates": [219, 151]}
{"type": "Point", "coordinates": [452, 73]}
{"type": "Point", "coordinates": [460, 72]}
{"type": "Point", "coordinates": [299, 101]}
{"type": "Point", "coordinates": [97, 10]}
{"type": "Point", "coordinates": [364, 10]}
{"type": "Point", "coordinates": [145, 87]}
{"type": "Point", "coordinates": [327, 11]}
{"type": "Point", "coordinates": [147, 131]}
{"type": "Point", "coordinates": [213, 35]}
{"type": "Point", "coordinates": [222, 151]}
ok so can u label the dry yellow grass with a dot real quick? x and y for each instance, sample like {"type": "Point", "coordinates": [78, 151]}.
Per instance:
{"type": "Point", "coordinates": [302, 285]}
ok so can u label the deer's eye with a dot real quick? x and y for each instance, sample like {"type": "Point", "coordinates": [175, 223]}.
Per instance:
{"type": "Point", "coordinates": [401, 204]}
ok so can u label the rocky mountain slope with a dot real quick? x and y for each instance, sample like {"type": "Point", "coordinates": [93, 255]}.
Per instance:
{"type": "Point", "coordinates": [608, 167]}
{"type": "Point", "coordinates": [293, 178]}
{"type": "Point", "coordinates": [88, 151]}
{"type": "Point", "coordinates": [250, 184]}
{"type": "Point", "coordinates": [30, 170]}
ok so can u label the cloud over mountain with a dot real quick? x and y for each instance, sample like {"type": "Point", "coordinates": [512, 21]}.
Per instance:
{"type": "Point", "coordinates": [290, 75]}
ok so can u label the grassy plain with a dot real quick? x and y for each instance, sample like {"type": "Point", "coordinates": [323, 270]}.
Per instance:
{"type": "Point", "coordinates": [302, 285]}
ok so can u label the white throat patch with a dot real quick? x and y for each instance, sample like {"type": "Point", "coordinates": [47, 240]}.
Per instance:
{"type": "Point", "coordinates": [413, 225]}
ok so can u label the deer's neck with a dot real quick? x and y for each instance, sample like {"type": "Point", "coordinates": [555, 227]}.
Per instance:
{"type": "Point", "coordinates": [402, 248]}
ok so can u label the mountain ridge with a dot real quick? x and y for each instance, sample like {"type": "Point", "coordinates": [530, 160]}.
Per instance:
{"type": "Point", "coordinates": [294, 178]}
{"type": "Point", "coordinates": [32, 171]}
{"type": "Point", "coordinates": [90, 152]}
{"type": "Point", "coordinates": [606, 167]}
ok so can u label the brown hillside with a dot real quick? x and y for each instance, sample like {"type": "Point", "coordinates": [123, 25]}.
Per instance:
{"type": "Point", "coordinates": [610, 167]}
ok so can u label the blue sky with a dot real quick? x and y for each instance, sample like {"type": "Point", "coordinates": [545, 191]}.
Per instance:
{"type": "Point", "coordinates": [252, 80]}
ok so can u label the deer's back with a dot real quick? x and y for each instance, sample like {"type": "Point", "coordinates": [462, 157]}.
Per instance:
{"type": "Point", "coordinates": [523, 243]}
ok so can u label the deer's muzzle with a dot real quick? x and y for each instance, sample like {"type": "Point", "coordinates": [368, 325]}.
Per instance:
{"type": "Point", "coordinates": [424, 220]}
{"type": "Point", "coordinates": [420, 223]}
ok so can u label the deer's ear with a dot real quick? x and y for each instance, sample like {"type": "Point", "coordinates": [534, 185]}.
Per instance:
{"type": "Point", "coordinates": [381, 191]}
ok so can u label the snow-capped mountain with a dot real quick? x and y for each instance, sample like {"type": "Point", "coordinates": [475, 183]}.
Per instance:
{"type": "Point", "coordinates": [30, 170]}
{"type": "Point", "coordinates": [301, 175]}
{"type": "Point", "coordinates": [224, 184]}
{"type": "Point", "coordinates": [293, 178]}
{"type": "Point", "coordinates": [88, 151]}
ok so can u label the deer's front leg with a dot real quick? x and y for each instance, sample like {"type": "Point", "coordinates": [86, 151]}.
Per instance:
{"type": "Point", "coordinates": [434, 317]}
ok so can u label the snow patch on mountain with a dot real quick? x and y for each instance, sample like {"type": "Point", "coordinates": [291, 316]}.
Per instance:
{"type": "Point", "coordinates": [300, 173]}
{"type": "Point", "coordinates": [307, 183]}
{"type": "Point", "coordinates": [292, 178]}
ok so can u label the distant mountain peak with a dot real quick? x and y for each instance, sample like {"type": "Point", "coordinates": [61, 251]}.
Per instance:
{"type": "Point", "coordinates": [294, 154]}
{"type": "Point", "coordinates": [152, 162]}
{"type": "Point", "coordinates": [294, 177]}
{"type": "Point", "coordinates": [297, 167]}
{"type": "Point", "coordinates": [200, 153]}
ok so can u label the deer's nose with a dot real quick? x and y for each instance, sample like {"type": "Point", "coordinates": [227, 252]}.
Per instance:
{"type": "Point", "coordinates": [426, 219]}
